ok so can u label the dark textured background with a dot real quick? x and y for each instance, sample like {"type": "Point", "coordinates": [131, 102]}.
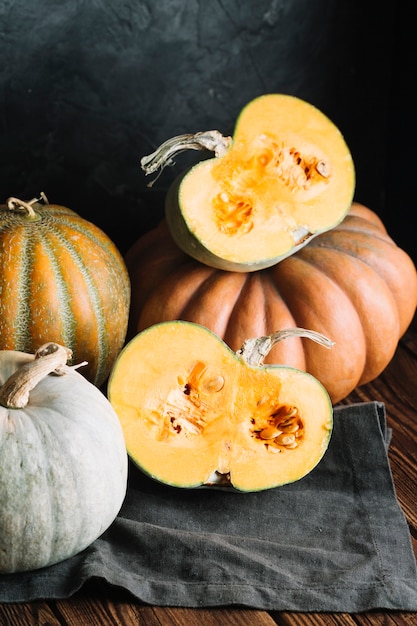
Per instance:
{"type": "Point", "coordinates": [89, 87]}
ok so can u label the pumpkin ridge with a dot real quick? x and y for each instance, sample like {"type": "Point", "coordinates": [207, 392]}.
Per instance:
{"type": "Point", "coordinates": [243, 306]}
{"type": "Point", "coordinates": [18, 334]}
{"type": "Point", "coordinates": [364, 227]}
{"type": "Point", "coordinates": [63, 299]}
{"type": "Point", "coordinates": [57, 520]}
{"type": "Point", "coordinates": [34, 437]}
{"type": "Point", "coordinates": [96, 236]}
{"type": "Point", "coordinates": [291, 351]}
{"type": "Point", "coordinates": [213, 301]}
{"type": "Point", "coordinates": [93, 293]}
{"type": "Point", "coordinates": [302, 289]}
{"type": "Point", "coordinates": [314, 260]}
{"type": "Point", "coordinates": [231, 337]}
{"type": "Point", "coordinates": [363, 212]}
{"type": "Point", "coordinates": [20, 423]}
{"type": "Point", "coordinates": [268, 284]}
{"type": "Point", "coordinates": [173, 303]}
{"type": "Point", "coordinates": [309, 262]}
{"type": "Point", "coordinates": [378, 352]}
{"type": "Point", "coordinates": [337, 241]}
{"type": "Point", "coordinates": [360, 252]}
{"type": "Point", "coordinates": [158, 274]}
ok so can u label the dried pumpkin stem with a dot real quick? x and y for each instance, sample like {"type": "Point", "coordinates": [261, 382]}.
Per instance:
{"type": "Point", "coordinates": [15, 204]}
{"type": "Point", "coordinates": [210, 140]}
{"type": "Point", "coordinates": [49, 358]}
{"type": "Point", "coordinates": [255, 350]}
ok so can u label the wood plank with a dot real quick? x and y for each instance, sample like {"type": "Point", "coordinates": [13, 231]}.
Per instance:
{"type": "Point", "coordinates": [375, 618]}
{"type": "Point", "coordinates": [381, 618]}
{"type": "Point", "coordinates": [29, 614]}
{"type": "Point", "coordinates": [313, 619]}
{"type": "Point", "coordinates": [86, 611]}
{"type": "Point", "coordinates": [212, 617]}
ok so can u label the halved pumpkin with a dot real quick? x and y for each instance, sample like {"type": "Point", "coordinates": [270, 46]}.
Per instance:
{"type": "Point", "coordinates": [195, 413]}
{"type": "Point", "coordinates": [286, 176]}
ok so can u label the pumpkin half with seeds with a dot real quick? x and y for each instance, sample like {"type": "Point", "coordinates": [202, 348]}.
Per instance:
{"type": "Point", "coordinates": [195, 413]}
{"type": "Point", "coordinates": [352, 283]}
{"type": "Point", "coordinates": [286, 176]}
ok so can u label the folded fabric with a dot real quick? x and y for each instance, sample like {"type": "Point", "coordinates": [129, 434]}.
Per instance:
{"type": "Point", "coordinates": [335, 540]}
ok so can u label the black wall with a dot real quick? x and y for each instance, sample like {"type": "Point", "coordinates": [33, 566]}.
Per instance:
{"type": "Point", "coordinates": [89, 87]}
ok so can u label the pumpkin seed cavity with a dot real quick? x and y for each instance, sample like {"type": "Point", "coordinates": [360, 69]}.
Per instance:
{"type": "Point", "coordinates": [187, 406]}
{"type": "Point", "coordinates": [281, 431]}
{"type": "Point", "coordinates": [242, 181]}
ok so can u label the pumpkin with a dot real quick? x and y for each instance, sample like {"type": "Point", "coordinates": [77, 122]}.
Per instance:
{"type": "Point", "coordinates": [352, 283]}
{"type": "Point", "coordinates": [195, 413]}
{"type": "Point", "coordinates": [63, 461]}
{"type": "Point", "coordinates": [61, 279]}
{"type": "Point", "coordinates": [286, 176]}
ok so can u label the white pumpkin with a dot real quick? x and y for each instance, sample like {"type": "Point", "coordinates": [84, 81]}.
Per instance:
{"type": "Point", "coordinates": [63, 460]}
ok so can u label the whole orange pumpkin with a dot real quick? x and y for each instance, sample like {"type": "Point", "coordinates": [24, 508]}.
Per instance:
{"type": "Point", "coordinates": [352, 283]}
{"type": "Point", "coordinates": [61, 279]}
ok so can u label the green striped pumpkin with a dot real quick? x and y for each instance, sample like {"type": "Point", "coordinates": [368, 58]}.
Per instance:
{"type": "Point", "coordinates": [62, 280]}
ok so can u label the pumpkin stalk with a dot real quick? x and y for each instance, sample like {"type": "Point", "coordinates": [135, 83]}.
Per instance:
{"type": "Point", "coordinates": [49, 358]}
{"type": "Point", "coordinates": [254, 350]}
{"type": "Point", "coordinates": [15, 204]}
{"type": "Point", "coordinates": [211, 140]}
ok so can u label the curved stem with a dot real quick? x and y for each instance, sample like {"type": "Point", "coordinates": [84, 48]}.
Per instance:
{"type": "Point", "coordinates": [255, 350]}
{"type": "Point", "coordinates": [50, 357]}
{"type": "Point", "coordinates": [15, 204]}
{"type": "Point", "coordinates": [210, 140]}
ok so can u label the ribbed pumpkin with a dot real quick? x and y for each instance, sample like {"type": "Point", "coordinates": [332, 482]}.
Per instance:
{"type": "Point", "coordinates": [61, 279]}
{"type": "Point", "coordinates": [353, 284]}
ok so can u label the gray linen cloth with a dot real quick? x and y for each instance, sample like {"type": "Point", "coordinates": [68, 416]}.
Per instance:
{"type": "Point", "coordinates": [336, 540]}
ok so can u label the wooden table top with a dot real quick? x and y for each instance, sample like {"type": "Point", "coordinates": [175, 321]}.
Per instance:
{"type": "Point", "coordinates": [103, 605]}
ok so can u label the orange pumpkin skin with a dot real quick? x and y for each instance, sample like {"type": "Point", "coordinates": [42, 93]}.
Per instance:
{"type": "Point", "coordinates": [63, 280]}
{"type": "Point", "coordinates": [352, 283]}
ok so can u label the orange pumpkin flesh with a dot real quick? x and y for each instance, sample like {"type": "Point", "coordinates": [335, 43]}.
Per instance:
{"type": "Point", "coordinates": [192, 411]}
{"type": "Point", "coordinates": [287, 176]}
{"type": "Point", "coordinates": [352, 283]}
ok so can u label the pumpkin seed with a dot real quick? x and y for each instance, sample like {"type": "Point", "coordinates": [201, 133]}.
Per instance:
{"type": "Point", "coordinates": [273, 449]}
{"type": "Point", "coordinates": [291, 446]}
{"type": "Point", "coordinates": [284, 439]}
{"type": "Point", "coordinates": [270, 432]}
{"type": "Point", "coordinates": [213, 384]}
{"type": "Point", "coordinates": [290, 428]}
{"type": "Point", "coordinates": [321, 168]}
{"type": "Point", "coordinates": [282, 431]}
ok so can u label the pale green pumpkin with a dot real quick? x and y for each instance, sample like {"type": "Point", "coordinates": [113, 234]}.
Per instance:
{"type": "Point", "coordinates": [63, 461]}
